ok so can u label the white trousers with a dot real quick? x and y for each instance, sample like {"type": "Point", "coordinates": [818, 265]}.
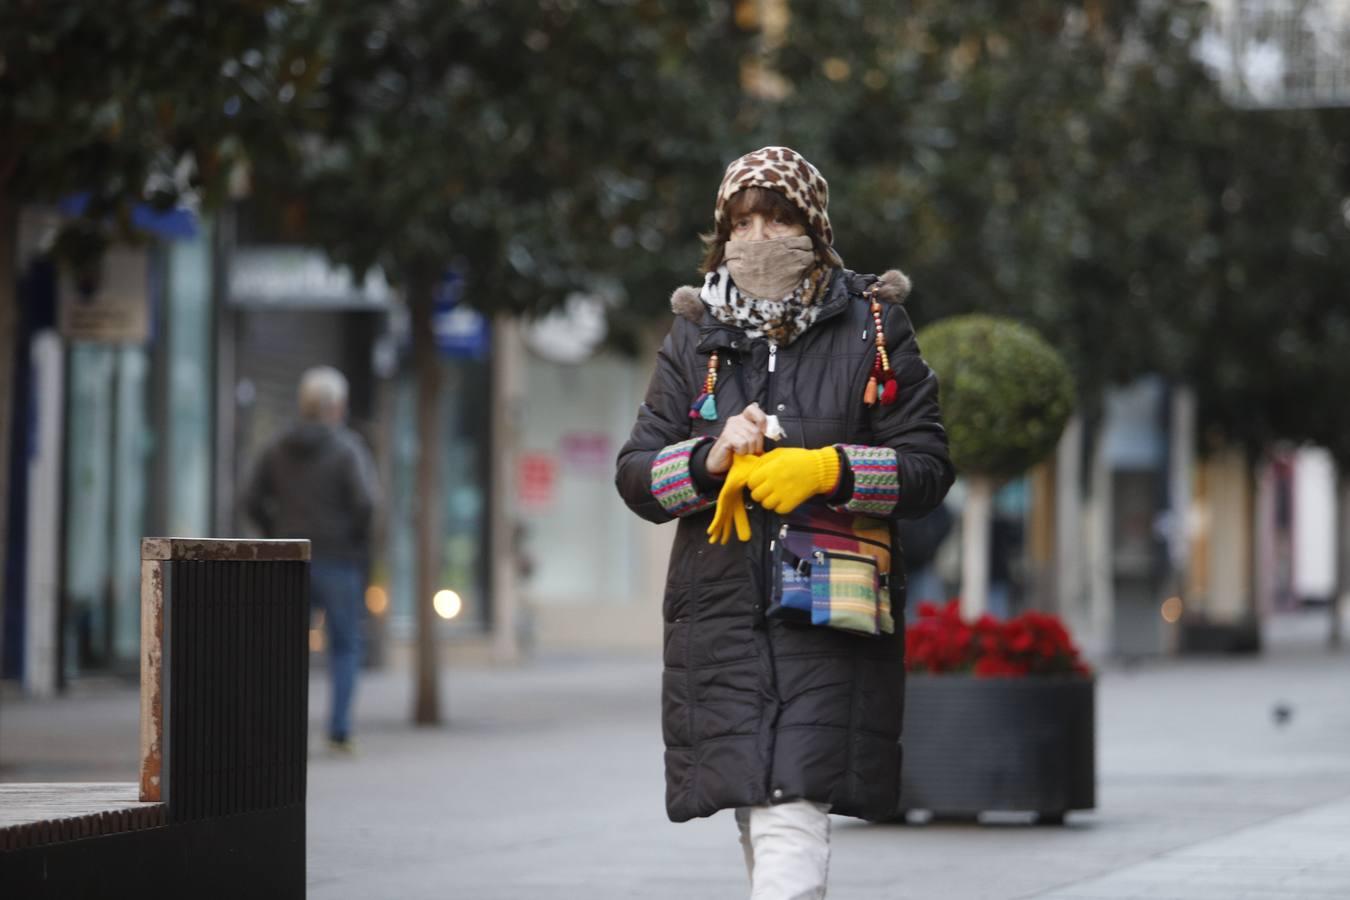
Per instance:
{"type": "Point", "coordinates": [787, 849]}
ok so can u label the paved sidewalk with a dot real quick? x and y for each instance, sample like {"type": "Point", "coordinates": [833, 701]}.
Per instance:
{"type": "Point", "coordinates": [1300, 855]}
{"type": "Point", "coordinates": [547, 783]}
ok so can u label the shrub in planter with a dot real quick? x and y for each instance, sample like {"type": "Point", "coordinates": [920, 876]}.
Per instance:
{"type": "Point", "coordinates": [999, 716]}
{"type": "Point", "coordinates": [1006, 396]}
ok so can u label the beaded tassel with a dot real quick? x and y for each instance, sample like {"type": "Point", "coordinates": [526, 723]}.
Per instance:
{"type": "Point", "coordinates": [705, 404]}
{"type": "Point", "coordinates": [881, 367]}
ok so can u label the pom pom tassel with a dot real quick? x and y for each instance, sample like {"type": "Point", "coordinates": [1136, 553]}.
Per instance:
{"type": "Point", "coordinates": [705, 404]}
{"type": "Point", "coordinates": [695, 408]}
{"type": "Point", "coordinates": [709, 409]}
{"type": "Point", "coordinates": [890, 393]}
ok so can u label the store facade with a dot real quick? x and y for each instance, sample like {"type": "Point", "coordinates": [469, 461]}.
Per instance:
{"type": "Point", "coordinates": [103, 359]}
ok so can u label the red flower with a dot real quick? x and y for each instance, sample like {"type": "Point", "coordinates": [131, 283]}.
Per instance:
{"type": "Point", "coordinates": [1019, 637]}
{"type": "Point", "coordinates": [1034, 643]}
{"type": "Point", "coordinates": [991, 667]}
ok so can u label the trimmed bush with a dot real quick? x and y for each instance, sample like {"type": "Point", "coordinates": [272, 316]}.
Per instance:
{"type": "Point", "coordinates": [1006, 393]}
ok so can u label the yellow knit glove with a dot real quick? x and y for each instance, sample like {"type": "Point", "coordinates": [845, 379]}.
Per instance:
{"type": "Point", "coordinates": [789, 476]}
{"type": "Point", "coordinates": [731, 502]}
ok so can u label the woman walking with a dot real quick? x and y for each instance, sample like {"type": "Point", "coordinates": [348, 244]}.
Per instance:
{"type": "Point", "coordinates": [789, 422]}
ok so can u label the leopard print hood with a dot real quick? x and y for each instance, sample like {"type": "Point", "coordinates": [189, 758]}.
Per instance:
{"type": "Point", "coordinates": [786, 171]}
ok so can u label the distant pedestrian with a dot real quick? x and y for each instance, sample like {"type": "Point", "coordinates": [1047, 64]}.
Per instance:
{"type": "Point", "coordinates": [797, 382]}
{"type": "Point", "coordinates": [317, 481]}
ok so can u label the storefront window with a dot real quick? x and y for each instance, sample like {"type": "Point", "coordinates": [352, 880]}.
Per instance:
{"type": "Point", "coordinates": [108, 444]}
{"type": "Point", "coordinates": [187, 457]}
{"type": "Point", "coordinates": [579, 417]}
{"type": "Point", "coordinates": [115, 432]}
{"type": "Point", "coordinates": [464, 425]}
{"type": "Point", "coordinates": [88, 492]}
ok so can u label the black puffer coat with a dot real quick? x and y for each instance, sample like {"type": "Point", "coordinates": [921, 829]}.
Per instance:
{"type": "Point", "coordinates": [755, 710]}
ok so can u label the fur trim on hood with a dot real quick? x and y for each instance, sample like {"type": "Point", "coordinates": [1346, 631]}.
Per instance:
{"type": "Point", "coordinates": [893, 287]}
{"type": "Point", "coordinates": [685, 302]}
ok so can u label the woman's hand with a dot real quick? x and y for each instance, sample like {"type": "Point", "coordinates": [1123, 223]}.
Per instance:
{"type": "Point", "coordinates": [743, 435]}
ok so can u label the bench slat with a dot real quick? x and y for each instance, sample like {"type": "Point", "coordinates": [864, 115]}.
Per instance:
{"type": "Point", "coordinates": [36, 814]}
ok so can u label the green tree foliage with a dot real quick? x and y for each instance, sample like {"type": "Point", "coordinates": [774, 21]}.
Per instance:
{"type": "Point", "coordinates": [144, 100]}
{"type": "Point", "coordinates": [1073, 165]}
{"type": "Point", "coordinates": [1006, 393]}
{"type": "Point", "coordinates": [132, 101]}
{"type": "Point", "coordinates": [1070, 164]}
{"type": "Point", "coordinates": [542, 146]}
{"type": "Point", "coordinates": [538, 147]}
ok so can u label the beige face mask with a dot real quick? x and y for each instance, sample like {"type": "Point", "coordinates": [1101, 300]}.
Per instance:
{"type": "Point", "coordinates": [770, 269]}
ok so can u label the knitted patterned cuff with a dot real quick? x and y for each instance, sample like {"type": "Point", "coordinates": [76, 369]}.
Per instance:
{"type": "Point", "coordinates": [876, 480]}
{"type": "Point", "coordinates": [673, 482]}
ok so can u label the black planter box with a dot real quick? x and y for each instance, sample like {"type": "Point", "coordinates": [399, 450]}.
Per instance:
{"type": "Point", "coordinates": [976, 745]}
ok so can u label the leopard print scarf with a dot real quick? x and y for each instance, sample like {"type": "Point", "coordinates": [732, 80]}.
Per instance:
{"type": "Point", "coordinates": [780, 321]}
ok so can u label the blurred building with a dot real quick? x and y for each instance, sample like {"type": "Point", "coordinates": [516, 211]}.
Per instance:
{"type": "Point", "coordinates": [111, 433]}
{"type": "Point", "coordinates": [1149, 542]}
{"type": "Point", "coordinates": [142, 401]}
{"type": "Point", "coordinates": [145, 417]}
{"type": "Point", "coordinates": [593, 573]}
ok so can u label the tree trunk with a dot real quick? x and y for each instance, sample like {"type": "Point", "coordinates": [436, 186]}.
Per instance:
{"type": "Point", "coordinates": [1070, 596]}
{"type": "Point", "coordinates": [1342, 554]}
{"type": "Point", "coordinates": [1042, 528]}
{"type": "Point", "coordinates": [975, 524]}
{"type": "Point", "coordinates": [9, 319]}
{"type": "Point", "coordinates": [427, 522]}
{"type": "Point", "coordinates": [507, 390]}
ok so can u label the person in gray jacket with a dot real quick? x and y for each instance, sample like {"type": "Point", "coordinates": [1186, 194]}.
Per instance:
{"type": "Point", "coordinates": [317, 481]}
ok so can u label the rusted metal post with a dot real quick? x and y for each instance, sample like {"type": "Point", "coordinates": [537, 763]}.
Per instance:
{"type": "Point", "coordinates": [152, 677]}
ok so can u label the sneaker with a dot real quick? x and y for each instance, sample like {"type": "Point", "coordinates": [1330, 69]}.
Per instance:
{"type": "Point", "coordinates": [341, 747]}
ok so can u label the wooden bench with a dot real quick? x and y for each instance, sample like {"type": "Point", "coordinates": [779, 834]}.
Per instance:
{"type": "Point", "coordinates": [219, 808]}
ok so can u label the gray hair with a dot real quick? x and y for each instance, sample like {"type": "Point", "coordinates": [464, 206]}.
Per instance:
{"type": "Point", "coordinates": [323, 393]}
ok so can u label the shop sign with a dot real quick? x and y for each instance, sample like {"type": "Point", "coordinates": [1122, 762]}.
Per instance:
{"type": "Point", "coordinates": [461, 332]}
{"type": "Point", "coordinates": [537, 481]}
{"type": "Point", "coordinates": [588, 451]}
{"type": "Point", "coordinates": [302, 277]}
{"type": "Point", "coordinates": [109, 302]}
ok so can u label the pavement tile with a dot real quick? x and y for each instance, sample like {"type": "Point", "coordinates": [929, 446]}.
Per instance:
{"type": "Point", "coordinates": [1303, 854]}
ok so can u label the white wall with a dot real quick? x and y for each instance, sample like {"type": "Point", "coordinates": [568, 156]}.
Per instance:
{"type": "Point", "coordinates": [1314, 524]}
{"type": "Point", "coordinates": [598, 570]}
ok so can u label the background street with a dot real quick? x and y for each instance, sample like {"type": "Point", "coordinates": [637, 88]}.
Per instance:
{"type": "Point", "coordinates": [395, 278]}
{"type": "Point", "coordinates": [547, 783]}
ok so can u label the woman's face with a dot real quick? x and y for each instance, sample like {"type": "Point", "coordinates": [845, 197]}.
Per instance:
{"type": "Point", "coordinates": [760, 227]}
